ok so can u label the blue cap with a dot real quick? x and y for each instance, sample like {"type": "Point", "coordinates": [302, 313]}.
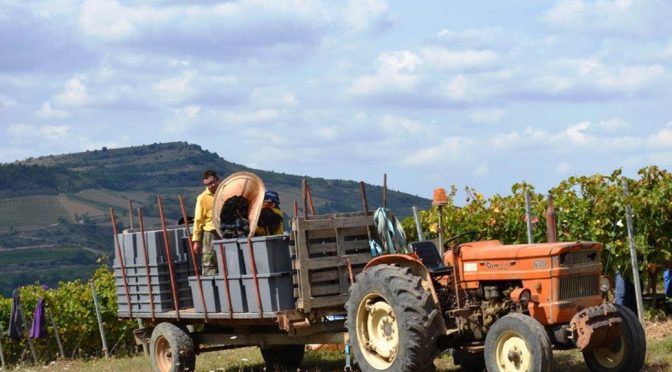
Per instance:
{"type": "Point", "coordinates": [272, 196]}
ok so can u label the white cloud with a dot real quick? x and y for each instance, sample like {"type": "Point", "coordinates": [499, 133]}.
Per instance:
{"type": "Point", "coordinates": [365, 15]}
{"type": "Point", "coordinates": [576, 133]}
{"type": "Point", "coordinates": [446, 59]}
{"type": "Point", "coordinates": [74, 93]}
{"type": "Point", "coordinates": [175, 89]}
{"type": "Point", "coordinates": [450, 150]}
{"type": "Point", "coordinates": [6, 102]}
{"type": "Point", "coordinates": [662, 138]}
{"type": "Point", "coordinates": [274, 97]}
{"type": "Point", "coordinates": [395, 73]}
{"type": "Point", "coordinates": [616, 17]}
{"type": "Point", "coordinates": [486, 116]}
{"type": "Point", "coordinates": [400, 126]}
{"type": "Point", "coordinates": [46, 112]}
{"type": "Point", "coordinates": [25, 133]}
{"type": "Point", "coordinates": [471, 36]}
{"type": "Point", "coordinates": [246, 118]}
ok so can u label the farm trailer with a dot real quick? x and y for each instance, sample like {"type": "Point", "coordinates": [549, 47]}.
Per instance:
{"type": "Point", "coordinates": [276, 292]}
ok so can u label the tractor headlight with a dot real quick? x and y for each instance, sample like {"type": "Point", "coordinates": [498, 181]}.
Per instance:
{"type": "Point", "coordinates": [521, 296]}
{"type": "Point", "coordinates": [605, 284]}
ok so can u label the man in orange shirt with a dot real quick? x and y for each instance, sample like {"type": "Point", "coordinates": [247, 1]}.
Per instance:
{"type": "Point", "coordinates": [204, 229]}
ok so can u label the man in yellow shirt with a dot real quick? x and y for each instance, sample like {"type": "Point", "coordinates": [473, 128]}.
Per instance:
{"type": "Point", "coordinates": [204, 229]}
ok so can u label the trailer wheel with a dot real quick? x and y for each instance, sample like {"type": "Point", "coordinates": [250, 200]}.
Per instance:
{"type": "Point", "coordinates": [283, 357]}
{"type": "Point", "coordinates": [172, 349]}
{"type": "Point", "coordinates": [626, 353]}
{"type": "Point", "coordinates": [469, 361]}
{"type": "Point", "coordinates": [392, 322]}
{"type": "Point", "coordinates": [517, 342]}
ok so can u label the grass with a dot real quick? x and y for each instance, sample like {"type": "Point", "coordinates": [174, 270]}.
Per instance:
{"type": "Point", "coordinates": [659, 358]}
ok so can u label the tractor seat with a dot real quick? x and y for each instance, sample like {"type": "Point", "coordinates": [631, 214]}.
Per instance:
{"type": "Point", "coordinates": [430, 257]}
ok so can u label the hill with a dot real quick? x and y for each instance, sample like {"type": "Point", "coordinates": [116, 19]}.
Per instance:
{"type": "Point", "coordinates": [54, 210]}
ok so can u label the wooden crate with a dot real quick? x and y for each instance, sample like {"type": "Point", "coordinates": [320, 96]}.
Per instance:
{"type": "Point", "coordinates": [322, 246]}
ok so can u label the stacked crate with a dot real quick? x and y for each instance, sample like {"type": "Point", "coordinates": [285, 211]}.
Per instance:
{"type": "Point", "coordinates": [139, 282]}
{"type": "Point", "coordinates": [234, 289]}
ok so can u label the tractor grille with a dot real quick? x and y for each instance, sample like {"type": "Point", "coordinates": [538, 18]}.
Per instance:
{"type": "Point", "coordinates": [579, 286]}
{"type": "Point", "coordinates": [579, 257]}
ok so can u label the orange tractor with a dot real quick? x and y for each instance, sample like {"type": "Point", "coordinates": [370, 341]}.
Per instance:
{"type": "Point", "coordinates": [498, 307]}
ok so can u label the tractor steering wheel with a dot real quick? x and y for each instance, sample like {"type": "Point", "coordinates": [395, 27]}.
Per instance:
{"type": "Point", "coordinates": [473, 234]}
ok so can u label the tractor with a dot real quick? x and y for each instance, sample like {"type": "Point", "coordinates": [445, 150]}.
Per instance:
{"type": "Point", "coordinates": [496, 307]}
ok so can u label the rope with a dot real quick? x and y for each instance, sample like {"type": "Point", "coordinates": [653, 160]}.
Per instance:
{"type": "Point", "coordinates": [390, 233]}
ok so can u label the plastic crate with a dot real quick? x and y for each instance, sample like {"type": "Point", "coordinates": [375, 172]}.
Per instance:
{"type": "Point", "coordinates": [271, 254]}
{"type": "Point", "coordinates": [232, 254]}
{"type": "Point", "coordinates": [276, 292]}
{"type": "Point", "coordinates": [213, 301]}
{"type": "Point", "coordinates": [238, 299]}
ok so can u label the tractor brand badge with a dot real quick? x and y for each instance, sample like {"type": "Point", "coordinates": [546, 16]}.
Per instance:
{"type": "Point", "coordinates": [494, 266]}
{"type": "Point", "coordinates": [539, 264]}
{"type": "Point", "coordinates": [470, 267]}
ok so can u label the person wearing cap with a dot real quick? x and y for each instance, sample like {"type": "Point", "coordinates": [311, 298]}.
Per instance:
{"type": "Point", "coordinates": [204, 229]}
{"type": "Point", "coordinates": [270, 219]}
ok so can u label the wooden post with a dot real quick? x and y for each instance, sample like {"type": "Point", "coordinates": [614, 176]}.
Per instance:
{"type": "Point", "coordinates": [55, 327]}
{"type": "Point", "coordinates": [130, 213]}
{"type": "Point", "coordinates": [100, 320]}
{"type": "Point", "coordinates": [417, 223]}
{"type": "Point", "coordinates": [551, 225]}
{"type": "Point", "coordinates": [145, 350]}
{"type": "Point", "coordinates": [633, 255]}
{"type": "Point", "coordinates": [2, 353]}
{"type": "Point", "coordinates": [30, 340]}
{"type": "Point", "coordinates": [385, 190]}
{"type": "Point", "coordinates": [528, 213]}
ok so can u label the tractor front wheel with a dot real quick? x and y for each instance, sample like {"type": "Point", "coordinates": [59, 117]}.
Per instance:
{"type": "Point", "coordinates": [626, 353]}
{"type": "Point", "coordinates": [517, 343]}
{"type": "Point", "coordinates": [392, 322]}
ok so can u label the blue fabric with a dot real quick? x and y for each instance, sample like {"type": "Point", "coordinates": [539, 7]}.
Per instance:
{"type": "Point", "coordinates": [667, 281]}
{"type": "Point", "coordinates": [272, 196]}
{"type": "Point", "coordinates": [625, 293]}
{"type": "Point", "coordinates": [38, 330]}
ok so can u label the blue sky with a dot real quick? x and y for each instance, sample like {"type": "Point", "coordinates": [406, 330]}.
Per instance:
{"type": "Point", "coordinates": [433, 93]}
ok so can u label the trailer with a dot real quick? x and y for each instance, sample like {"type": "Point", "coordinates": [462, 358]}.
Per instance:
{"type": "Point", "coordinates": [279, 293]}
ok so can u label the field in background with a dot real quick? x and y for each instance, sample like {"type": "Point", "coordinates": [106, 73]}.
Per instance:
{"type": "Point", "coordinates": [31, 211]}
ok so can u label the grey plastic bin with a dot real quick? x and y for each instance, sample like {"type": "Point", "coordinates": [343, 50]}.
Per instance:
{"type": "Point", "coordinates": [235, 266]}
{"type": "Point", "coordinates": [238, 299]}
{"type": "Point", "coordinates": [271, 254]}
{"type": "Point", "coordinates": [213, 301]}
{"type": "Point", "coordinates": [276, 292]}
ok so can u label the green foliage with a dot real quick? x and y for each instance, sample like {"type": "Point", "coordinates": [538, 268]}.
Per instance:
{"type": "Point", "coordinates": [72, 306]}
{"type": "Point", "coordinates": [587, 208]}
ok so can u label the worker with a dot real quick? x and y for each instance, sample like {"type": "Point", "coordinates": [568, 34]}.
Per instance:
{"type": "Point", "coordinates": [270, 219]}
{"type": "Point", "coordinates": [204, 229]}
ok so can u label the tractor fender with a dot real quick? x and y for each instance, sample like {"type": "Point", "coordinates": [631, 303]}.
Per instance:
{"type": "Point", "coordinates": [417, 268]}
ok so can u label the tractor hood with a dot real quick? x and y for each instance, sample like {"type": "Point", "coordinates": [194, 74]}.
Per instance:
{"type": "Point", "coordinates": [494, 250]}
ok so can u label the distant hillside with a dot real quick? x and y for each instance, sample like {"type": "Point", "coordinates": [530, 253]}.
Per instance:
{"type": "Point", "coordinates": [54, 210]}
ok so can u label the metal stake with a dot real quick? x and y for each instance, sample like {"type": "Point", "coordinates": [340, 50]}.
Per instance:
{"type": "Point", "coordinates": [30, 340]}
{"type": "Point", "coordinates": [100, 320]}
{"type": "Point", "coordinates": [385, 190]}
{"type": "Point", "coordinates": [417, 223]}
{"type": "Point", "coordinates": [551, 225]}
{"type": "Point", "coordinates": [2, 353]}
{"type": "Point", "coordinates": [528, 213]}
{"type": "Point", "coordinates": [130, 213]}
{"type": "Point", "coordinates": [55, 327]}
{"type": "Point", "coordinates": [633, 255]}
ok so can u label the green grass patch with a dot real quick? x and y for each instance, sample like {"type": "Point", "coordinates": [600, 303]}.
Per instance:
{"type": "Point", "coordinates": [31, 211]}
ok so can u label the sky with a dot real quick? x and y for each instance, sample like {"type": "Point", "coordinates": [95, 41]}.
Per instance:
{"type": "Point", "coordinates": [433, 93]}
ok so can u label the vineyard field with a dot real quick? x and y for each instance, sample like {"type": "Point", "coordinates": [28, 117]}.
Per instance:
{"type": "Point", "coordinates": [31, 211]}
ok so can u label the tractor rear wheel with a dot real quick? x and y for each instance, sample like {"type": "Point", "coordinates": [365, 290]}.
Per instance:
{"type": "Point", "coordinates": [283, 357]}
{"type": "Point", "coordinates": [626, 353]}
{"type": "Point", "coordinates": [517, 342]}
{"type": "Point", "coordinates": [392, 322]}
{"type": "Point", "coordinates": [172, 349]}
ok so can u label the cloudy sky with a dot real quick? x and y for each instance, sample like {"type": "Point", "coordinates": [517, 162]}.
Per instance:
{"type": "Point", "coordinates": [433, 93]}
